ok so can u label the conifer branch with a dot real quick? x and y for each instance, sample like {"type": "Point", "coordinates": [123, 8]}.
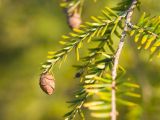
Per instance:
{"type": "Point", "coordinates": [116, 58]}
{"type": "Point", "coordinates": [136, 27]}
{"type": "Point", "coordinates": [146, 33]}
{"type": "Point", "coordinates": [100, 67]}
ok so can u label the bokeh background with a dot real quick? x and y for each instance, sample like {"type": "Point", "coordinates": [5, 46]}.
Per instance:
{"type": "Point", "coordinates": [30, 28]}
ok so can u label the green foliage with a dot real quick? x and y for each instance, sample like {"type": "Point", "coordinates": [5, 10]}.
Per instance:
{"type": "Point", "coordinates": [101, 29]}
{"type": "Point", "coordinates": [122, 6]}
{"type": "Point", "coordinates": [95, 71]}
{"type": "Point", "coordinates": [146, 33]}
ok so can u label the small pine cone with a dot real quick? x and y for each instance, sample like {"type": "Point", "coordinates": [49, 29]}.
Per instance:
{"type": "Point", "coordinates": [47, 83]}
{"type": "Point", "coordinates": [74, 20]}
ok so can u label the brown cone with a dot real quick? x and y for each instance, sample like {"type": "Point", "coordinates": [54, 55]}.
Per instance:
{"type": "Point", "coordinates": [47, 83]}
{"type": "Point", "coordinates": [74, 20]}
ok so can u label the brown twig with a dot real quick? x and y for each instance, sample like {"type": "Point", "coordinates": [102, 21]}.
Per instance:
{"type": "Point", "coordinates": [116, 58]}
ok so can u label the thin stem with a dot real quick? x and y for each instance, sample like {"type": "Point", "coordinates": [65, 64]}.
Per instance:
{"type": "Point", "coordinates": [116, 58]}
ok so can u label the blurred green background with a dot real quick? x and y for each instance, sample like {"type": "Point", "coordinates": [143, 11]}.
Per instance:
{"type": "Point", "coordinates": [30, 28]}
